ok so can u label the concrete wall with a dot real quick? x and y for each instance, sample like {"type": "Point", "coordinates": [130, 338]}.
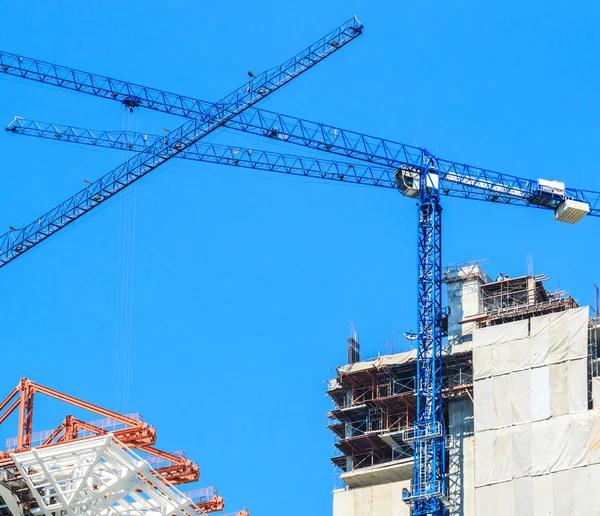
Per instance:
{"type": "Point", "coordinates": [380, 500]}
{"type": "Point", "coordinates": [463, 301]}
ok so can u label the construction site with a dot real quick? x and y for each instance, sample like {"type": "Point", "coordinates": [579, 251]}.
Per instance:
{"type": "Point", "coordinates": [491, 406]}
{"type": "Point", "coordinates": [521, 406]}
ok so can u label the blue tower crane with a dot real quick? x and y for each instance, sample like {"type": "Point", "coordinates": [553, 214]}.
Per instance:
{"type": "Point", "coordinates": [414, 171]}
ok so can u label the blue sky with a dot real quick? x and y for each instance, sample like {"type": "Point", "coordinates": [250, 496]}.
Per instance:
{"type": "Point", "coordinates": [232, 292]}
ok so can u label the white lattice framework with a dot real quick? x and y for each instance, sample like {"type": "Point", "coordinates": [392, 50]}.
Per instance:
{"type": "Point", "coordinates": [98, 476]}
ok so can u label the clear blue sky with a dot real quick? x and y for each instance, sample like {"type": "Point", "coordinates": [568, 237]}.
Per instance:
{"type": "Point", "coordinates": [236, 296]}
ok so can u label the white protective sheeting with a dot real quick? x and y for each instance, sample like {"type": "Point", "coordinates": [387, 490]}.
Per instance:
{"type": "Point", "coordinates": [568, 335]}
{"type": "Point", "coordinates": [521, 450]}
{"type": "Point", "coordinates": [482, 362]}
{"type": "Point", "coordinates": [521, 397]}
{"type": "Point", "coordinates": [484, 501]}
{"type": "Point", "coordinates": [514, 346]}
{"type": "Point", "coordinates": [578, 387]}
{"type": "Point", "coordinates": [541, 447]}
{"type": "Point", "coordinates": [502, 460]}
{"type": "Point", "coordinates": [539, 336]}
{"type": "Point", "coordinates": [504, 499]}
{"type": "Point", "coordinates": [594, 482]}
{"type": "Point", "coordinates": [582, 499]}
{"type": "Point", "coordinates": [523, 496]}
{"type": "Point", "coordinates": [540, 393]}
{"type": "Point", "coordinates": [484, 458]}
{"type": "Point", "coordinates": [379, 362]}
{"type": "Point", "coordinates": [596, 392]}
{"type": "Point", "coordinates": [559, 384]}
{"type": "Point", "coordinates": [543, 496]}
{"type": "Point", "coordinates": [502, 400]}
{"type": "Point", "coordinates": [568, 387]}
{"type": "Point", "coordinates": [562, 491]}
{"type": "Point", "coordinates": [537, 447]}
{"type": "Point", "coordinates": [593, 444]}
{"type": "Point", "coordinates": [484, 409]}
{"type": "Point", "coordinates": [579, 432]}
{"type": "Point", "coordinates": [519, 355]}
{"type": "Point", "coordinates": [571, 492]}
{"type": "Point", "coordinates": [560, 458]}
{"type": "Point", "coordinates": [500, 334]}
{"type": "Point", "coordinates": [559, 337]}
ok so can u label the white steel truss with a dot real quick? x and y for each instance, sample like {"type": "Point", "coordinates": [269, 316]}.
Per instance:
{"type": "Point", "coordinates": [98, 476]}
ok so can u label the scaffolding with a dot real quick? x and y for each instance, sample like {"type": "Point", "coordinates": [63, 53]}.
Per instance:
{"type": "Point", "coordinates": [375, 405]}
{"type": "Point", "coordinates": [513, 299]}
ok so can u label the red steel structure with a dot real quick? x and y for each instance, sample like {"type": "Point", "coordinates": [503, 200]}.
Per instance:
{"type": "Point", "coordinates": [131, 430]}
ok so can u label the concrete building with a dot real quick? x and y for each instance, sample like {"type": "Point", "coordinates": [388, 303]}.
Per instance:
{"type": "Point", "coordinates": [521, 407]}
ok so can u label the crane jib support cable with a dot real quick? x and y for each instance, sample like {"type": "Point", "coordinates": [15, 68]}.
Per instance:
{"type": "Point", "coordinates": [18, 241]}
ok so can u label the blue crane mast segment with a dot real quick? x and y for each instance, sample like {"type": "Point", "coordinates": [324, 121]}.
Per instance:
{"type": "Point", "coordinates": [18, 241]}
{"type": "Point", "coordinates": [414, 171]}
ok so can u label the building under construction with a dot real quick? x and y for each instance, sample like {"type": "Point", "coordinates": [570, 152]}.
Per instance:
{"type": "Point", "coordinates": [521, 407]}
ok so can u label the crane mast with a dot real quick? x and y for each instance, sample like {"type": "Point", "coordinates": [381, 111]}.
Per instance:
{"type": "Point", "coordinates": [429, 483]}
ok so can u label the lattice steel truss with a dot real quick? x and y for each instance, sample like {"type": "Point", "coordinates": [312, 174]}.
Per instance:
{"type": "Point", "coordinates": [98, 476]}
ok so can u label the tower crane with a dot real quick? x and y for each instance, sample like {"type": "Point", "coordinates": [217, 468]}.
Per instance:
{"type": "Point", "coordinates": [414, 171]}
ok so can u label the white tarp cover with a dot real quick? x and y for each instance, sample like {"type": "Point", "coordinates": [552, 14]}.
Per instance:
{"type": "Point", "coordinates": [568, 387]}
{"type": "Point", "coordinates": [593, 443]}
{"type": "Point", "coordinates": [521, 450]}
{"type": "Point", "coordinates": [540, 393]}
{"type": "Point", "coordinates": [484, 413]}
{"type": "Point", "coordinates": [513, 346]}
{"type": "Point", "coordinates": [523, 489]}
{"type": "Point", "coordinates": [596, 391]}
{"type": "Point", "coordinates": [379, 362]}
{"type": "Point", "coordinates": [531, 395]}
{"type": "Point", "coordinates": [500, 334]}
{"type": "Point", "coordinates": [577, 387]}
{"type": "Point", "coordinates": [502, 400]}
{"type": "Point", "coordinates": [520, 397]}
{"type": "Point", "coordinates": [396, 359]}
{"type": "Point", "coordinates": [537, 446]}
{"type": "Point", "coordinates": [571, 492]}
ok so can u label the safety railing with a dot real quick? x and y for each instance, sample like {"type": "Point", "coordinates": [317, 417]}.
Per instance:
{"type": "Point", "coordinates": [160, 462]}
{"type": "Point", "coordinates": [425, 490]}
{"type": "Point", "coordinates": [201, 495]}
{"type": "Point", "coordinates": [422, 431]}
